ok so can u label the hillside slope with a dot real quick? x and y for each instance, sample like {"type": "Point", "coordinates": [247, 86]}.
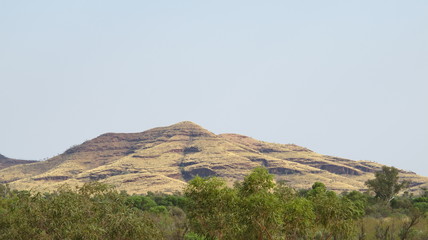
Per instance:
{"type": "Point", "coordinates": [6, 162]}
{"type": "Point", "coordinates": [163, 159]}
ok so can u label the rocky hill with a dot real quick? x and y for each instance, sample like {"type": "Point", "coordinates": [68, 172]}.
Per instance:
{"type": "Point", "coordinates": [163, 159]}
{"type": "Point", "coordinates": [6, 162]}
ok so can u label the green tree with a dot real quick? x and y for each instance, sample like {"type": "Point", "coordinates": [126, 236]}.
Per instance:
{"type": "Point", "coordinates": [211, 208]}
{"type": "Point", "coordinates": [259, 180]}
{"type": "Point", "coordinates": [386, 184]}
{"type": "Point", "coordinates": [94, 211]}
{"type": "Point", "coordinates": [298, 219]}
{"type": "Point", "coordinates": [260, 208]}
{"type": "Point", "coordinates": [335, 215]}
{"type": "Point", "coordinates": [359, 200]}
{"type": "Point", "coordinates": [141, 202]}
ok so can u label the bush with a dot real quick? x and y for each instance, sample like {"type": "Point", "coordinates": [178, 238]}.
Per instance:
{"type": "Point", "coordinates": [94, 211]}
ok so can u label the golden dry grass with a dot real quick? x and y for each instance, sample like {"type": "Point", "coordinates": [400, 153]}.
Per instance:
{"type": "Point", "coordinates": [161, 159]}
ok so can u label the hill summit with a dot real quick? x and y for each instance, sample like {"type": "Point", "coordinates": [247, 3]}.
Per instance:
{"type": "Point", "coordinates": [8, 162]}
{"type": "Point", "coordinates": [164, 158]}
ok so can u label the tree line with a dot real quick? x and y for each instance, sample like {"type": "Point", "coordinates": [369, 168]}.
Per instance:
{"type": "Point", "coordinates": [208, 209]}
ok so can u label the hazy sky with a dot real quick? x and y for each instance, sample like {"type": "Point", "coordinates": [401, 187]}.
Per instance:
{"type": "Point", "coordinates": [343, 78]}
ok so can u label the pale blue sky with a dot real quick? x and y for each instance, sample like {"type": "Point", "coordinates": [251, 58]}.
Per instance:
{"type": "Point", "coordinates": [343, 78]}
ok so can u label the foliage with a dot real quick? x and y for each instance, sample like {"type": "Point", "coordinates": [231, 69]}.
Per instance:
{"type": "Point", "coordinates": [259, 208]}
{"type": "Point", "coordinates": [386, 184]}
{"type": "Point", "coordinates": [298, 218]}
{"type": "Point", "coordinates": [211, 207]}
{"type": "Point", "coordinates": [256, 208]}
{"type": "Point", "coordinates": [94, 211]}
{"type": "Point", "coordinates": [335, 215]}
{"type": "Point", "coordinates": [421, 203]}
{"type": "Point", "coordinates": [360, 200]}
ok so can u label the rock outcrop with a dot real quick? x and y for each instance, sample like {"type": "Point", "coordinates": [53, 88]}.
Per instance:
{"type": "Point", "coordinates": [163, 159]}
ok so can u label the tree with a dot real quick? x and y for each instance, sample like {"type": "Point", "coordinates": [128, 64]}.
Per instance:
{"type": "Point", "coordinates": [298, 218]}
{"type": "Point", "coordinates": [386, 184]}
{"type": "Point", "coordinates": [407, 230]}
{"type": "Point", "coordinates": [260, 209]}
{"type": "Point", "coordinates": [258, 181]}
{"type": "Point", "coordinates": [94, 211]}
{"type": "Point", "coordinates": [211, 208]}
{"type": "Point", "coordinates": [335, 215]}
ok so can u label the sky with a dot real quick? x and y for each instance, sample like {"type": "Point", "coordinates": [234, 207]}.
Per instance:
{"type": "Point", "coordinates": [342, 78]}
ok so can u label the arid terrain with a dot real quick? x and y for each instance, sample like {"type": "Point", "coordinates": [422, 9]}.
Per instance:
{"type": "Point", "coordinates": [164, 158]}
{"type": "Point", "coordinates": [8, 162]}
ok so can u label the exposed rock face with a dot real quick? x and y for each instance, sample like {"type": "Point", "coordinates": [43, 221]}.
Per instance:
{"type": "Point", "coordinates": [163, 159]}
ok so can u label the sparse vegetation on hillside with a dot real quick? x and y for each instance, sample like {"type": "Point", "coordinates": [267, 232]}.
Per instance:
{"type": "Point", "coordinates": [165, 159]}
{"type": "Point", "coordinates": [6, 162]}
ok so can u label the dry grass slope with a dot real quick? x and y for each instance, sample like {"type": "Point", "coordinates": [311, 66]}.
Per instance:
{"type": "Point", "coordinates": [163, 159]}
{"type": "Point", "coordinates": [6, 162]}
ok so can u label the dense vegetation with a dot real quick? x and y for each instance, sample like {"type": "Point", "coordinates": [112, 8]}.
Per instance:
{"type": "Point", "coordinates": [257, 208]}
